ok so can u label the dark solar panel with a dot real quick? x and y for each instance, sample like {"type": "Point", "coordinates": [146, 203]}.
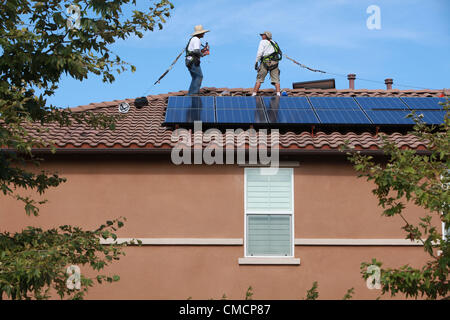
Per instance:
{"type": "Point", "coordinates": [292, 116]}
{"type": "Point", "coordinates": [302, 110]}
{"type": "Point", "coordinates": [190, 102]}
{"type": "Point", "coordinates": [334, 103]}
{"type": "Point", "coordinates": [286, 103]}
{"type": "Point", "coordinates": [177, 115]}
{"type": "Point", "coordinates": [371, 103]}
{"type": "Point", "coordinates": [190, 109]}
{"type": "Point", "coordinates": [238, 103]}
{"type": "Point", "coordinates": [416, 103]}
{"type": "Point", "coordinates": [241, 116]}
{"type": "Point", "coordinates": [389, 117]}
{"type": "Point", "coordinates": [342, 116]}
{"type": "Point", "coordinates": [240, 110]}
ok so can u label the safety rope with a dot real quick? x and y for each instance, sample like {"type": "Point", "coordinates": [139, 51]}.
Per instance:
{"type": "Point", "coordinates": [303, 66]}
{"type": "Point", "coordinates": [170, 68]}
{"type": "Point", "coordinates": [345, 76]}
{"type": "Point", "coordinates": [166, 72]}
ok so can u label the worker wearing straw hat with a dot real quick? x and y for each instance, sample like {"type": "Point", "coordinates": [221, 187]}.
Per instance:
{"type": "Point", "coordinates": [194, 52]}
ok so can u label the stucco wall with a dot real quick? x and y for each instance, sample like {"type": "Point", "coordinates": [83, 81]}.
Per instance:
{"type": "Point", "coordinates": [161, 200]}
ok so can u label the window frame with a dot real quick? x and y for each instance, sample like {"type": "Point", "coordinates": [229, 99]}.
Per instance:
{"type": "Point", "coordinates": [280, 212]}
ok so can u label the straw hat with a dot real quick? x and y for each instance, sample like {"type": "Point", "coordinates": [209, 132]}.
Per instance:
{"type": "Point", "coordinates": [199, 30]}
{"type": "Point", "coordinates": [267, 33]}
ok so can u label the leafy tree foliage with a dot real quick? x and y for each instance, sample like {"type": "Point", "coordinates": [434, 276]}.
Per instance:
{"type": "Point", "coordinates": [34, 261]}
{"type": "Point", "coordinates": [41, 41]}
{"type": "Point", "coordinates": [424, 180]}
{"type": "Point", "coordinates": [313, 293]}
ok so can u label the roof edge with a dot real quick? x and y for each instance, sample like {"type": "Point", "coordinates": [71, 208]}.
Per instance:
{"type": "Point", "coordinates": [153, 151]}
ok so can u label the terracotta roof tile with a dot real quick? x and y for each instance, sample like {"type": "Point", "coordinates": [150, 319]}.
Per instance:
{"type": "Point", "coordinates": [142, 128]}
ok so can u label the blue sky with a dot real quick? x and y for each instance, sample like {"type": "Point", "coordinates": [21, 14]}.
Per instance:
{"type": "Point", "coordinates": [412, 46]}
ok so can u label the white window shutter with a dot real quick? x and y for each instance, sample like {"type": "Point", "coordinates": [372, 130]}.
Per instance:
{"type": "Point", "coordinates": [269, 235]}
{"type": "Point", "coordinates": [269, 192]}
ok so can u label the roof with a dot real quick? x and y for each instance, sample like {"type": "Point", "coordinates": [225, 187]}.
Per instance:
{"type": "Point", "coordinates": [142, 129]}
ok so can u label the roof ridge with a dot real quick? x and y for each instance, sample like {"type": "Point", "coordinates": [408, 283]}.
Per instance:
{"type": "Point", "coordinates": [218, 91]}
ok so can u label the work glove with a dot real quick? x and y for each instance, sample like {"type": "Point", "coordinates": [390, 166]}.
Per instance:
{"type": "Point", "coordinates": [256, 66]}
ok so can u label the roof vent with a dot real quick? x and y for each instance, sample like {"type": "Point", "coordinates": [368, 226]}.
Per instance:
{"type": "Point", "coordinates": [389, 82]}
{"type": "Point", "coordinates": [351, 81]}
{"type": "Point", "coordinates": [316, 84]}
{"type": "Point", "coordinates": [124, 107]}
{"type": "Point", "coordinates": [140, 102]}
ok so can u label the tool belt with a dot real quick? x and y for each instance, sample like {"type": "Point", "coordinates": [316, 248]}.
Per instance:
{"type": "Point", "coordinates": [192, 60]}
{"type": "Point", "coordinates": [270, 64]}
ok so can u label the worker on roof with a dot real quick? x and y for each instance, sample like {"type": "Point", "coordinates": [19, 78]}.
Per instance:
{"type": "Point", "coordinates": [267, 58]}
{"type": "Point", "coordinates": [194, 52]}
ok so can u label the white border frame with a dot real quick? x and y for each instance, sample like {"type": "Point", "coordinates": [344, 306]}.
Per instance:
{"type": "Point", "coordinates": [291, 213]}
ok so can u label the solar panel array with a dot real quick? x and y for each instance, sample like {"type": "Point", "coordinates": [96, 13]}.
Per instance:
{"type": "Point", "coordinates": [302, 110]}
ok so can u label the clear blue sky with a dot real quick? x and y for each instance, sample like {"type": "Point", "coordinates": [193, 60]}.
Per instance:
{"type": "Point", "coordinates": [413, 46]}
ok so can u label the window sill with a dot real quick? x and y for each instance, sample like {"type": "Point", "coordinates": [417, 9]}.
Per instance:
{"type": "Point", "coordinates": [269, 261]}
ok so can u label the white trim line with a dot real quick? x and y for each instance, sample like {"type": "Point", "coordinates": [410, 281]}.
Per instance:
{"type": "Point", "coordinates": [240, 242]}
{"type": "Point", "coordinates": [179, 241]}
{"type": "Point", "coordinates": [356, 242]}
{"type": "Point", "coordinates": [265, 261]}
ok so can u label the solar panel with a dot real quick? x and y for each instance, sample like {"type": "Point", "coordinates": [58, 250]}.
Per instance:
{"type": "Point", "coordinates": [334, 103]}
{"type": "Point", "coordinates": [241, 116]}
{"type": "Point", "coordinates": [189, 109]}
{"type": "Point", "coordinates": [179, 115]}
{"type": "Point", "coordinates": [389, 117]}
{"type": "Point", "coordinates": [372, 103]}
{"type": "Point", "coordinates": [302, 110]}
{"type": "Point", "coordinates": [342, 116]}
{"type": "Point", "coordinates": [190, 102]}
{"type": "Point", "coordinates": [240, 110]}
{"type": "Point", "coordinates": [286, 103]}
{"type": "Point", "coordinates": [292, 116]}
{"type": "Point", "coordinates": [238, 103]}
{"type": "Point", "coordinates": [416, 103]}
{"type": "Point", "coordinates": [432, 117]}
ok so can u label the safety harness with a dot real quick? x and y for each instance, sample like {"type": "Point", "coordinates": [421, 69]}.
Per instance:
{"type": "Point", "coordinates": [191, 56]}
{"type": "Point", "coordinates": [277, 55]}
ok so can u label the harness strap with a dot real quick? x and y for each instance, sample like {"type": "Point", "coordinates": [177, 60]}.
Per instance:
{"type": "Point", "coordinates": [189, 53]}
{"type": "Point", "coordinates": [273, 55]}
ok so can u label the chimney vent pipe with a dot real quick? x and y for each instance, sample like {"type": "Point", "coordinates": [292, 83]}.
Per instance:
{"type": "Point", "coordinates": [351, 81]}
{"type": "Point", "coordinates": [389, 82]}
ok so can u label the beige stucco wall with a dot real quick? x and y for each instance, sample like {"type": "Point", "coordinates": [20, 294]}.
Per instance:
{"type": "Point", "coordinates": [161, 200]}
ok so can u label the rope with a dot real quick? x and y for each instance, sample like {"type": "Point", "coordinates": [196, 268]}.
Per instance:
{"type": "Point", "coordinates": [303, 66]}
{"type": "Point", "coordinates": [170, 68]}
{"type": "Point", "coordinates": [345, 76]}
{"type": "Point", "coordinates": [165, 73]}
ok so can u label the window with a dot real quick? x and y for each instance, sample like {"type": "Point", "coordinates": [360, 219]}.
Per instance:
{"type": "Point", "coordinates": [269, 212]}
